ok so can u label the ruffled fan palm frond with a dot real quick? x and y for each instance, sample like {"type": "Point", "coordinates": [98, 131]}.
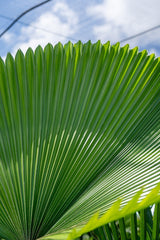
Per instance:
{"type": "Point", "coordinates": [144, 224]}
{"type": "Point", "coordinates": [79, 139]}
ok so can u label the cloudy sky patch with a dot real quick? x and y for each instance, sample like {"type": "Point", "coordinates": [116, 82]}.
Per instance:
{"type": "Point", "coordinates": [123, 18]}
{"type": "Point", "coordinates": [57, 24]}
{"type": "Point", "coordinates": [93, 20]}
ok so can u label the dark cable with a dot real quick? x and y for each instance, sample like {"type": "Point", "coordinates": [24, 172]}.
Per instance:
{"type": "Point", "coordinates": [39, 28]}
{"type": "Point", "coordinates": [139, 34]}
{"type": "Point", "coordinates": [21, 15]}
{"type": "Point", "coordinates": [40, 4]}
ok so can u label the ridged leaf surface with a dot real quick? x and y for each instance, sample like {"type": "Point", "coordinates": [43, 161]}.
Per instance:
{"type": "Point", "coordinates": [79, 132]}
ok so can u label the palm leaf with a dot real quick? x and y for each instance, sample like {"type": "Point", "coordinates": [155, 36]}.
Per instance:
{"type": "Point", "coordinates": [140, 225]}
{"type": "Point", "coordinates": [79, 138]}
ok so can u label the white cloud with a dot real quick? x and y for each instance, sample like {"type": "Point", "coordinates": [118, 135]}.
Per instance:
{"type": "Point", "coordinates": [123, 18]}
{"type": "Point", "coordinates": [59, 24]}
{"type": "Point", "coordinates": [8, 37]}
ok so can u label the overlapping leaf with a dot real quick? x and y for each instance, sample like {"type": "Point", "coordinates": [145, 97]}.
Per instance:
{"type": "Point", "coordinates": [79, 129]}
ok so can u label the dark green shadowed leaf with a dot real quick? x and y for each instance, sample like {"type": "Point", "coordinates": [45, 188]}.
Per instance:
{"type": "Point", "coordinates": [79, 140]}
{"type": "Point", "coordinates": [156, 222]}
{"type": "Point", "coordinates": [134, 235]}
{"type": "Point", "coordinates": [140, 225]}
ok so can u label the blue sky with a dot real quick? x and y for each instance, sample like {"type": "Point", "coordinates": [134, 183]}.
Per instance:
{"type": "Point", "coordinates": [79, 20]}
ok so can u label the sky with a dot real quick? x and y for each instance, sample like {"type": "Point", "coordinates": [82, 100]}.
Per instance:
{"type": "Point", "coordinates": [73, 20]}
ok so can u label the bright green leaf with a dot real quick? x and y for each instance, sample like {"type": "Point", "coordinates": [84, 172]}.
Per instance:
{"type": "Point", "coordinates": [79, 138]}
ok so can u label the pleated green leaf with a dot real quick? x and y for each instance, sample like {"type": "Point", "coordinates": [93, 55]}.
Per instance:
{"type": "Point", "coordinates": [144, 224]}
{"type": "Point", "coordinates": [79, 138]}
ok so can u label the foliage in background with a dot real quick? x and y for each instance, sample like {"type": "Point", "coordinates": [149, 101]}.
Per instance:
{"type": "Point", "coordinates": [144, 224]}
{"type": "Point", "coordinates": [79, 139]}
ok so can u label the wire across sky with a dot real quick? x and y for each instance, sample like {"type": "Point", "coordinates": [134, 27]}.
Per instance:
{"type": "Point", "coordinates": [14, 21]}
